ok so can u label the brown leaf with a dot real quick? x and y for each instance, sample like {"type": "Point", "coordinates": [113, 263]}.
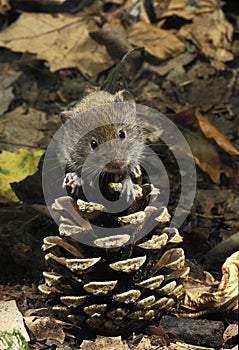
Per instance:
{"type": "Point", "coordinates": [116, 2]}
{"type": "Point", "coordinates": [205, 299]}
{"type": "Point", "coordinates": [183, 8]}
{"type": "Point", "coordinates": [28, 129]}
{"type": "Point", "coordinates": [45, 328]}
{"type": "Point", "coordinates": [209, 146]}
{"type": "Point", "coordinates": [183, 90]}
{"type": "Point", "coordinates": [172, 64]}
{"type": "Point", "coordinates": [145, 343]}
{"type": "Point", "coordinates": [114, 37]}
{"type": "Point", "coordinates": [213, 133]}
{"type": "Point", "coordinates": [106, 343]}
{"type": "Point", "coordinates": [160, 7]}
{"type": "Point", "coordinates": [156, 41]}
{"type": "Point", "coordinates": [8, 76]}
{"type": "Point", "coordinates": [212, 34]}
{"type": "Point", "coordinates": [63, 41]}
{"type": "Point", "coordinates": [230, 332]}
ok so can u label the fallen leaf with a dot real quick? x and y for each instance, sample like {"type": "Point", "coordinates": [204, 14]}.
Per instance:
{"type": "Point", "coordinates": [106, 343]}
{"type": "Point", "coordinates": [15, 167]}
{"type": "Point", "coordinates": [230, 332]}
{"type": "Point", "coordinates": [183, 8]}
{"type": "Point", "coordinates": [203, 299]}
{"type": "Point", "coordinates": [207, 158]}
{"type": "Point", "coordinates": [182, 89]}
{"type": "Point", "coordinates": [160, 7]}
{"type": "Point", "coordinates": [203, 70]}
{"type": "Point", "coordinates": [212, 34]}
{"type": "Point", "coordinates": [221, 201]}
{"type": "Point", "coordinates": [27, 128]}
{"type": "Point", "coordinates": [62, 40]}
{"type": "Point", "coordinates": [212, 151]}
{"type": "Point", "coordinates": [156, 41]}
{"type": "Point", "coordinates": [145, 343]}
{"type": "Point", "coordinates": [213, 133]}
{"type": "Point", "coordinates": [7, 292]}
{"type": "Point", "coordinates": [117, 2]}
{"type": "Point", "coordinates": [8, 76]}
{"type": "Point", "coordinates": [114, 37]}
{"type": "Point", "coordinates": [45, 328]}
{"type": "Point", "coordinates": [178, 61]}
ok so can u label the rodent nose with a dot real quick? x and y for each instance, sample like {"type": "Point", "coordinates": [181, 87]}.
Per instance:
{"type": "Point", "coordinates": [115, 165]}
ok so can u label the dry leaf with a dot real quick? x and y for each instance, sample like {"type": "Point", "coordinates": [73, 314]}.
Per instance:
{"type": "Point", "coordinates": [172, 64]}
{"type": "Point", "coordinates": [106, 343]}
{"type": "Point", "coordinates": [145, 343]}
{"type": "Point", "coordinates": [116, 2]}
{"type": "Point", "coordinates": [45, 328]}
{"type": "Point", "coordinates": [209, 30]}
{"type": "Point", "coordinates": [208, 144]}
{"type": "Point", "coordinates": [183, 90]}
{"type": "Point", "coordinates": [63, 41]}
{"type": "Point", "coordinates": [29, 129]}
{"type": "Point", "coordinates": [212, 34]}
{"type": "Point", "coordinates": [206, 157]}
{"type": "Point", "coordinates": [8, 76]}
{"type": "Point", "coordinates": [114, 37]}
{"type": "Point", "coordinates": [205, 299]}
{"type": "Point", "coordinates": [156, 41]}
{"type": "Point", "coordinates": [161, 6]}
{"type": "Point", "coordinates": [184, 8]}
{"type": "Point", "coordinates": [230, 332]}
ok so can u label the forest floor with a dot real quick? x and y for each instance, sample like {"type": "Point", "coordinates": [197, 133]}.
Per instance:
{"type": "Point", "coordinates": [188, 70]}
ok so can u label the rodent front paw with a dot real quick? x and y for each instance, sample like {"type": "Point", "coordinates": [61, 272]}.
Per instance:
{"type": "Point", "coordinates": [128, 189]}
{"type": "Point", "coordinates": [74, 181]}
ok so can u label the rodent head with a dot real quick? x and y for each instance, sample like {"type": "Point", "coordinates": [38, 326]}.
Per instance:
{"type": "Point", "coordinates": [110, 148]}
{"type": "Point", "coordinates": [107, 137]}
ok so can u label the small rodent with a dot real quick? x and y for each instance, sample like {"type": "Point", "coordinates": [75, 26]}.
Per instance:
{"type": "Point", "coordinates": [96, 120]}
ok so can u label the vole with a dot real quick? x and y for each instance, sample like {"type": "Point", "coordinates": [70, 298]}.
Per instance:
{"type": "Point", "coordinates": [103, 134]}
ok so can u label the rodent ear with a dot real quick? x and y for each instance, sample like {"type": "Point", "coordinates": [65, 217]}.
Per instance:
{"type": "Point", "coordinates": [123, 96]}
{"type": "Point", "coordinates": [65, 116]}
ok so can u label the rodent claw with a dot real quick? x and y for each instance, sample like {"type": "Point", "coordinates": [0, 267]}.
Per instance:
{"type": "Point", "coordinates": [128, 189]}
{"type": "Point", "coordinates": [137, 171]}
{"type": "Point", "coordinates": [74, 181]}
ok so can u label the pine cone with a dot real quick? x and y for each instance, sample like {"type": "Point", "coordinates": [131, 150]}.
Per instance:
{"type": "Point", "coordinates": [116, 283]}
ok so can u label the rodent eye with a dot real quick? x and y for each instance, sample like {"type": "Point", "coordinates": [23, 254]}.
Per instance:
{"type": "Point", "coordinates": [122, 134]}
{"type": "Point", "coordinates": [94, 144]}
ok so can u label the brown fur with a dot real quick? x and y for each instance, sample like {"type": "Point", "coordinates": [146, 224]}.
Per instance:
{"type": "Point", "coordinates": [114, 117]}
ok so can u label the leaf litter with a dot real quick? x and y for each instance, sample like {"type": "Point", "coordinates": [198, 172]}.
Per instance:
{"type": "Point", "coordinates": [189, 70]}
